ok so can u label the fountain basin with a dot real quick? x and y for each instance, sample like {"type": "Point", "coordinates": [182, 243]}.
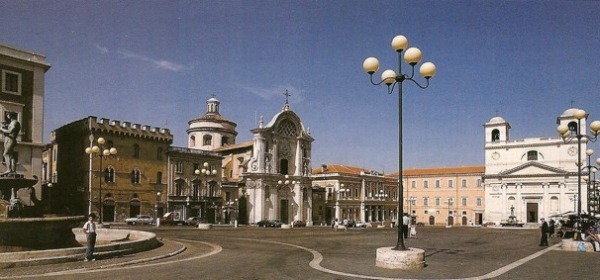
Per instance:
{"type": "Point", "coordinates": [24, 234]}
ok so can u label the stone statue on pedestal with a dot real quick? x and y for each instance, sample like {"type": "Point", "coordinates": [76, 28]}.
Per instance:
{"type": "Point", "coordinates": [10, 128]}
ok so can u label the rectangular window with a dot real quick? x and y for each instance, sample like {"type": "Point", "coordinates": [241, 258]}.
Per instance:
{"type": "Point", "coordinates": [464, 201]}
{"type": "Point", "coordinates": [437, 201]}
{"type": "Point", "coordinates": [179, 167]}
{"type": "Point", "coordinates": [464, 183]}
{"type": "Point", "coordinates": [11, 82]}
{"type": "Point", "coordinates": [450, 184]}
{"type": "Point", "coordinates": [478, 183]}
{"type": "Point", "coordinates": [413, 184]}
{"type": "Point", "coordinates": [479, 201]}
{"type": "Point", "coordinates": [426, 201]}
{"type": "Point", "coordinates": [425, 184]}
{"type": "Point", "coordinates": [437, 183]}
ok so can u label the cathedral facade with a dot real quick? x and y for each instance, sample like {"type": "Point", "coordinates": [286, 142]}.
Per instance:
{"type": "Point", "coordinates": [532, 178]}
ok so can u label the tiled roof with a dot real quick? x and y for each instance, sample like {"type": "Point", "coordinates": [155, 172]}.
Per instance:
{"type": "Point", "coordinates": [247, 144]}
{"type": "Point", "coordinates": [336, 168]}
{"type": "Point", "coordinates": [442, 171]}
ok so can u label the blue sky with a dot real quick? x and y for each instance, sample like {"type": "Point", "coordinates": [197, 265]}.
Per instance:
{"type": "Point", "coordinates": [157, 62]}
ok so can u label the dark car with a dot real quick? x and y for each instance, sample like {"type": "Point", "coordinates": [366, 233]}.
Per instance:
{"type": "Point", "coordinates": [269, 223]}
{"type": "Point", "coordinates": [298, 224]}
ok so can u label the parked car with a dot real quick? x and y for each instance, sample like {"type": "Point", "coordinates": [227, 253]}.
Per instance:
{"type": "Point", "coordinates": [140, 220]}
{"type": "Point", "coordinates": [361, 225]}
{"type": "Point", "coordinates": [193, 221]}
{"type": "Point", "coordinates": [171, 218]}
{"type": "Point", "coordinates": [298, 224]}
{"type": "Point", "coordinates": [269, 223]}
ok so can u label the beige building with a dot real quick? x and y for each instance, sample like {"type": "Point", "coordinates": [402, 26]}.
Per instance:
{"type": "Point", "coordinates": [445, 195]}
{"type": "Point", "coordinates": [22, 81]}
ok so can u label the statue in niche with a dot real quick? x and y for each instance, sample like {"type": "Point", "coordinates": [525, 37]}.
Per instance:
{"type": "Point", "coordinates": [11, 129]}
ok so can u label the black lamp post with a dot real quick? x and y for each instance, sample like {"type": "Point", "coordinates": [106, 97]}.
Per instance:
{"type": "Point", "coordinates": [100, 152]}
{"type": "Point", "coordinates": [569, 134]}
{"type": "Point", "coordinates": [289, 184]}
{"type": "Point", "coordinates": [412, 56]}
{"type": "Point", "coordinates": [593, 199]}
{"type": "Point", "coordinates": [206, 172]}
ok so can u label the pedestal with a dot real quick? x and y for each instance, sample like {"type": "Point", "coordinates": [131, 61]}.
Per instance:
{"type": "Point", "coordinates": [413, 258]}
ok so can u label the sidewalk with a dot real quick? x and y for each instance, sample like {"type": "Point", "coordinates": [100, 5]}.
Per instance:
{"type": "Point", "coordinates": [168, 248]}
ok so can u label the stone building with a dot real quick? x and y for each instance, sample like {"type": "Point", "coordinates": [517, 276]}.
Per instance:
{"type": "Point", "coordinates": [22, 83]}
{"type": "Point", "coordinates": [356, 194]}
{"type": "Point", "coordinates": [445, 195]}
{"type": "Point", "coordinates": [115, 185]}
{"type": "Point", "coordinates": [194, 184]}
{"type": "Point", "coordinates": [533, 178]}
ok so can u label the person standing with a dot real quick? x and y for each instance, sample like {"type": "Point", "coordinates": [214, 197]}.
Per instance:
{"type": "Point", "coordinates": [544, 229]}
{"type": "Point", "coordinates": [405, 223]}
{"type": "Point", "coordinates": [89, 228]}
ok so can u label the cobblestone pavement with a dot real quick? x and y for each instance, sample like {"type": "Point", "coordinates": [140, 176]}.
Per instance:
{"type": "Point", "coordinates": [258, 253]}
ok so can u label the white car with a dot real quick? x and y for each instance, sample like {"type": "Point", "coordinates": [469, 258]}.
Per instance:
{"type": "Point", "coordinates": [140, 220]}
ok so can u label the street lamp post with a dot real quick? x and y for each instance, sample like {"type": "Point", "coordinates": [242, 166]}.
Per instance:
{"type": "Point", "coordinates": [569, 134]}
{"type": "Point", "coordinates": [412, 56]}
{"type": "Point", "coordinates": [593, 199]}
{"type": "Point", "coordinates": [100, 152]}
{"type": "Point", "coordinates": [206, 172]}
{"type": "Point", "coordinates": [282, 184]}
{"type": "Point", "coordinates": [156, 209]}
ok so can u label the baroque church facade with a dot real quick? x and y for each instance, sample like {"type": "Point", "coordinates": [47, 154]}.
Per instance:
{"type": "Point", "coordinates": [271, 172]}
{"type": "Point", "coordinates": [532, 178]}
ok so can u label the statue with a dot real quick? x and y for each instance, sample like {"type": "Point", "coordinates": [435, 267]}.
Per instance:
{"type": "Point", "coordinates": [10, 128]}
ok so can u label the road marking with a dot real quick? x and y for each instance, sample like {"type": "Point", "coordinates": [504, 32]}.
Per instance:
{"type": "Point", "coordinates": [318, 258]}
{"type": "Point", "coordinates": [315, 263]}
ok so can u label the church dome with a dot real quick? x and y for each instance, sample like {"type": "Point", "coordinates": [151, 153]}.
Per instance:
{"type": "Point", "coordinates": [569, 113]}
{"type": "Point", "coordinates": [496, 120]}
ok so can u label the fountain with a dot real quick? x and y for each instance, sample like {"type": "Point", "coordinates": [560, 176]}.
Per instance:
{"type": "Point", "coordinates": [24, 227]}
{"type": "Point", "coordinates": [512, 219]}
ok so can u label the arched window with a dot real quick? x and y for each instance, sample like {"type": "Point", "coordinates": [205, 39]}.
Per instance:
{"type": "Point", "coordinates": [283, 166]}
{"type": "Point", "coordinates": [572, 128]}
{"type": "Point", "coordinates": [207, 140]}
{"type": "Point", "coordinates": [136, 151]}
{"type": "Point", "coordinates": [192, 141]}
{"type": "Point", "coordinates": [135, 176]}
{"type": "Point", "coordinates": [495, 135]}
{"type": "Point", "coordinates": [179, 188]}
{"type": "Point", "coordinates": [109, 175]}
{"type": "Point", "coordinates": [532, 155]}
{"type": "Point", "coordinates": [554, 203]}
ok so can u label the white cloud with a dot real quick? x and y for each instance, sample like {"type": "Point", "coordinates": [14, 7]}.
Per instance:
{"type": "Point", "coordinates": [161, 64]}
{"type": "Point", "coordinates": [103, 50]}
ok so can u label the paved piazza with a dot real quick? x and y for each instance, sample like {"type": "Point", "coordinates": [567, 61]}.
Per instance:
{"type": "Point", "coordinates": [322, 253]}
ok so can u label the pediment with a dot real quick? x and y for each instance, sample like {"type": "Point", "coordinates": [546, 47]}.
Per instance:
{"type": "Point", "coordinates": [533, 168]}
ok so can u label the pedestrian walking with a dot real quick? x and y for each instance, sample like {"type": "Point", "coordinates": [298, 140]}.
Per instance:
{"type": "Point", "coordinates": [405, 223]}
{"type": "Point", "coordinates": [544, 229]}
{"type": "Point", "coordinates": [413, 231]}
{"type": "Point", "coordinates": [89, 228]}
{"type": "Point", "coordinates": [551, 228]}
